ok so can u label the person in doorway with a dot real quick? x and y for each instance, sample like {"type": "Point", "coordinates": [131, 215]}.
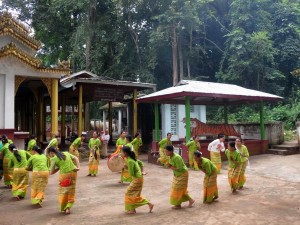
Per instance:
{"type": "Point", "coordinates": [133, 198]}
{"type": "Point", "coordinates": [18, 161]}
{"type": "Point", "coordinates": [38, 164]}
{"type": "Point", "coordinates": [31, 144]}
{"type": "Point", "coordinates": [94, 159]}
{"type": "Point", "coordinates": [179, 191]}
{"type": "Point", "coordinates": [137, 143]}
{"type": "Point", "coordinates": [234, 166]}
{"type": "Point", "coordinates": [193, 146]}
{"type": "Point", "coordinates": [210, 187]}
{"type": "Point", "coordinates": [242, 149]}
{"type": "Point", "coordinates": [67, 165]}
{"type": "Point", "coordinates": [163, 159]}
{"type": "Point", "coordinates": [105, 137]}
{"type": "Point", "coordinates": [73, 149]}
{"type": "Point", "coordinates": [215, 148]}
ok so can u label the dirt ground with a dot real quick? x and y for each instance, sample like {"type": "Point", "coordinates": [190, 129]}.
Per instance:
{"type": "Point", "coordinates": [271, 196]}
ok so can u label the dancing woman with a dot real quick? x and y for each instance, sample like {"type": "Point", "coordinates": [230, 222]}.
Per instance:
{"type": "Point", "coordinates": [179, 191]}
{"type": "Point", "coordinates": [215, 149]}
{"type": "Point", "coordinates": [137, 143]}
{"type": "Point", "coordinates": [38, 164]}
{"type": "Point", "coordinates": [64, 163]}
{"type": "Point", "coordinates": [193, 146]}
{"type": "Point", "coordinates": [210, 187]}
{"type": "Point", "coordinates": [242, 149]}
{"type": "Point", "coordinates": [94, 159]}
{"type": "Point", "coordinates": [18, 161]}
{"type": "Point", "coordinates": [133, 198]}
{"type": "Point", "coordinates": [163, 159]}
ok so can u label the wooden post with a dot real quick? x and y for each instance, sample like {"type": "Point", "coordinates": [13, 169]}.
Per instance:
{"type": "Point", "coordinates": [262, 121]}
{"type": "Point", "coordinates": [187, 118]}
{"type": "Point", "coordinates": [63, 120]}
{"type": "Point", "coordinates": [79, 130]}
{"type": "Point", "coordinates": [110, 120]}
{"type": "Point", "coordinates": [134, 112]}
{"type": "Point", "coordinates": [54, 107]}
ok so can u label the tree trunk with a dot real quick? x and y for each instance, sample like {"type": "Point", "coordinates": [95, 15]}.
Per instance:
{"type": "Point", "coordinates": [190, 52]}
{"type": "Point", "coordinates": [181, 75]}
{"type": "Point", "coordinates": [174, 55]}
{"type": "Point", "coordinates": [91, 28]}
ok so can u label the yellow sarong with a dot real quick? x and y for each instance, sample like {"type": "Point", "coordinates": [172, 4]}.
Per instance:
{"type": "Point", "coordinates": [94, 163]}
{"type": "Point", "coordinates": [215, 158]}
{"type": "Point", "coordinates": [74, 151]}
{"type": "Point", "coordinates": [7, 172]}
{"type": "Point", "coordinates": [192, 161]}
{"type": "Point", "coordinates": [233, 177]}
{"type": "Point", "coordinates": [66, 195]}
{"type": "Point", "coordinates": [20, 182]}
{"type": "Point", "coordinates": [179, 191]}
{"type": "Point", "coordinates": [210, 187]}
{"type": "Point", "coordinates": [242, 177]}
{"type": "Point", "coordinates": [163, 159]}
{"type": "Point", "coordinates": [38, 186]}
{"type": "Point", "coordinates": [133, 198]}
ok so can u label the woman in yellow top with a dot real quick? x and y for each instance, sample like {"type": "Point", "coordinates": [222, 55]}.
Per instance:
{"type": "Point", "coordinates": [125, 176]}
{"type": "Point", "coordinates": [67, 165]}
{"type": "Point", "coordinates": [120, 142]}
{"type": "Point", "coordinates": [94, 146]}
{"type": "Point", "coordinates": [133, 198]}
{"type": "Point", "coordinates": [6, 156]}
{"type": "Point", "coordinates": [18, 161]}
{"type": "Point", "coordinates": [31, 144]}
{"type": "Point", "coordinates": [179, 191]}
{"type": "Point", "coordinates": [193, 146]}
{"type": "Point", "coordinates": [242, 149]}
{"type": "Point", "coordinates": [73, 149]}
{"type": "Point", "coordinates": [163, 159]}
{"type": "Point", "coordinates": [38, 164]}
{"type": "Point", "coordinates": [137, 143]}
{"type": "Point", "coordinates": [210, 187]}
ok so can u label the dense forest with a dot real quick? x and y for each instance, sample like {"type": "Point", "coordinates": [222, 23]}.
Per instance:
{"type": "Point", "coordinates": [252, 43]}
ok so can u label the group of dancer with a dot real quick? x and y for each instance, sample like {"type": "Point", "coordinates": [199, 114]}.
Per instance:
{"type": "Point", "coordinates": [16, 164]}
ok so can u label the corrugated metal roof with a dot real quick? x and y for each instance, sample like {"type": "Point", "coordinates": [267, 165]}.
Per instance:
{"type": "Point", "coordinates": [206, 93]}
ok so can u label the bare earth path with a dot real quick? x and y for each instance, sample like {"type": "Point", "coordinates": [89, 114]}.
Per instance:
{"type": "Point", "coordinates": [271, 196]}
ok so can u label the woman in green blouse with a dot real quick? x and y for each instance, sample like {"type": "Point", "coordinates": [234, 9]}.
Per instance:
{"type": "Point", "coordinates": [234, 166]}
{"type": "Point", "coordinates": [179, 191]}
{"type": "Point", "coordinates": [133, 198]}
{"type": "Point", "coordinates": [73, 149]}
{"type": "Point", "coordinates": [137, 143]}
{"type": "Point", "coordinates": [94, 159]}
{"type": "Point", "coordinates": [193, 146]}
{"type": "Point", "coordinates": [242, 149]}
{"type": "Point", "coordinates": [163, 159]}
{"type": "Point", "coordinates": [67, 165]}
{"type": "Point", "coordinates": [18, 161]}
{"type": "Point", "coordinates": [31, 144]}
{"type": "Point", "coordinates": [38, 164]}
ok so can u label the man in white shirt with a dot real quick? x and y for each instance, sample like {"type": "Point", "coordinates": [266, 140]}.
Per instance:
{"type": "Point", "coordinates": [215, 148]}
{"type": "Point", "coordinates": [105, 139]}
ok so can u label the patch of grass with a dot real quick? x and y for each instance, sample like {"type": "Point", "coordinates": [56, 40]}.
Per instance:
{"type": "Point", "coordinates": [290, 135]}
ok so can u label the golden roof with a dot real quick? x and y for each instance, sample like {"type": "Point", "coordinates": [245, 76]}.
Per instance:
{"type": "Point", "coordinates": [12, 50]}
{"type": "Point", "coordinates": [12, 27]}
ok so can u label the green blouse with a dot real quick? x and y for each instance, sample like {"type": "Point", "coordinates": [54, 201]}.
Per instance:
{"type": "Point", "coordinates": [94, 142]}
{"type": "Point", "coordinates": [31, 144]}
{"type": "Point", "coordinates": [77, 142]}
{"type": "Point", "coordinates": [65, 166]}
{"type": "Point", "coordinates": [177, 162]}
{"type": "Point", "coordinates": [121, 141]}
{"type": "Point", "coordinates": [243, 151]}
{"type": "Point", "coordinates": [134, 168]}
{"type": "Point", "coordinates": [164, 142]}
{"type": "Point", "coordinates": [137, 142]}
{"type": "Point", "coordinates": [193, 146]}
{"type": "Point", "coordinates": [208, 166]}
{"type": "Point", "coordinates": [234, 158]}
{"type": "Point", "coordinates": [38, 162]}
{"type": "Point", "coordinates": [14, 163]}
{"type": "Point", "coordinates": [6, 152]}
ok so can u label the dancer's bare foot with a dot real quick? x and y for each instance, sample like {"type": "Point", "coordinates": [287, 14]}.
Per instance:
{"type": "Point", "coordinates": [89, 175]}
{"type": "Point", "coordinates": [150, 207]}
{"type": "Point", "coordinates": [120, 182]}
{"type": "Point", "coordinates": [176, 207]}
{"type": "Point", "coordinates": [18, 198]}
{"type": "Point", "coordinates": [67, 211]}
{"type": "Point", "coordinates": [131, 212]}
{"type": "Point", "coordinates": [191, 203]}
{"type": "Point", "coordinates": [215, 198]}
{"type": "Point", "coordinates": [39, 205]}
{"type": "Point", "coordinates": [144, 173]}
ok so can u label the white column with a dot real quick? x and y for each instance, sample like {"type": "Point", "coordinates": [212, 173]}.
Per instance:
{"type": "Point", "coordinates": [119, 120]}
{"type": "Point", "coordinates": [127, 112]}
{"type": "Point", "coordinates": [104, 120]}
{"type": "Point", "coordinates": [9, 102]}
{"type": "Point", "coordinates": [2, 100]}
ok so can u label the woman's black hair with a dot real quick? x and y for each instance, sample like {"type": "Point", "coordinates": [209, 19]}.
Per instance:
{"type": "Point", "coordinates": [59, 155]}
{"type": "Point", "coordinates": [32, 137]}
{"type": "Point", "coordinates": [38, 150]}
{"type": "Point", "coordinates": [169, 133]}
{"type": "Point", "coordinates": [136, 134]}
{"type": "Point", "coordinates": [127, 150]}
{"type": "Point", "coordinates": [128, 137]}
{"type": "Point", "coordinates": [170, 148]}
{"type": "Point", "coordinates": [221, 135]}
{"type": "Point", "coordinates": [14, 149]}
{"type": "Point", "coordinates": [198, 154]}
{"type": "Point", "coordinates": [4, 141]}
{"type": "Point", "coordinates": [232, 144]}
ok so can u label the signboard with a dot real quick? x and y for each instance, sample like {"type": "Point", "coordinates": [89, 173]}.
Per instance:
{"type": "Point", "coordinates": [109, 94]}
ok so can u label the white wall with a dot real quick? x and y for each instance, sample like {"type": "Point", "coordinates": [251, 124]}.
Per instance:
{"type": "Point", "coordinates": [2, 100]}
